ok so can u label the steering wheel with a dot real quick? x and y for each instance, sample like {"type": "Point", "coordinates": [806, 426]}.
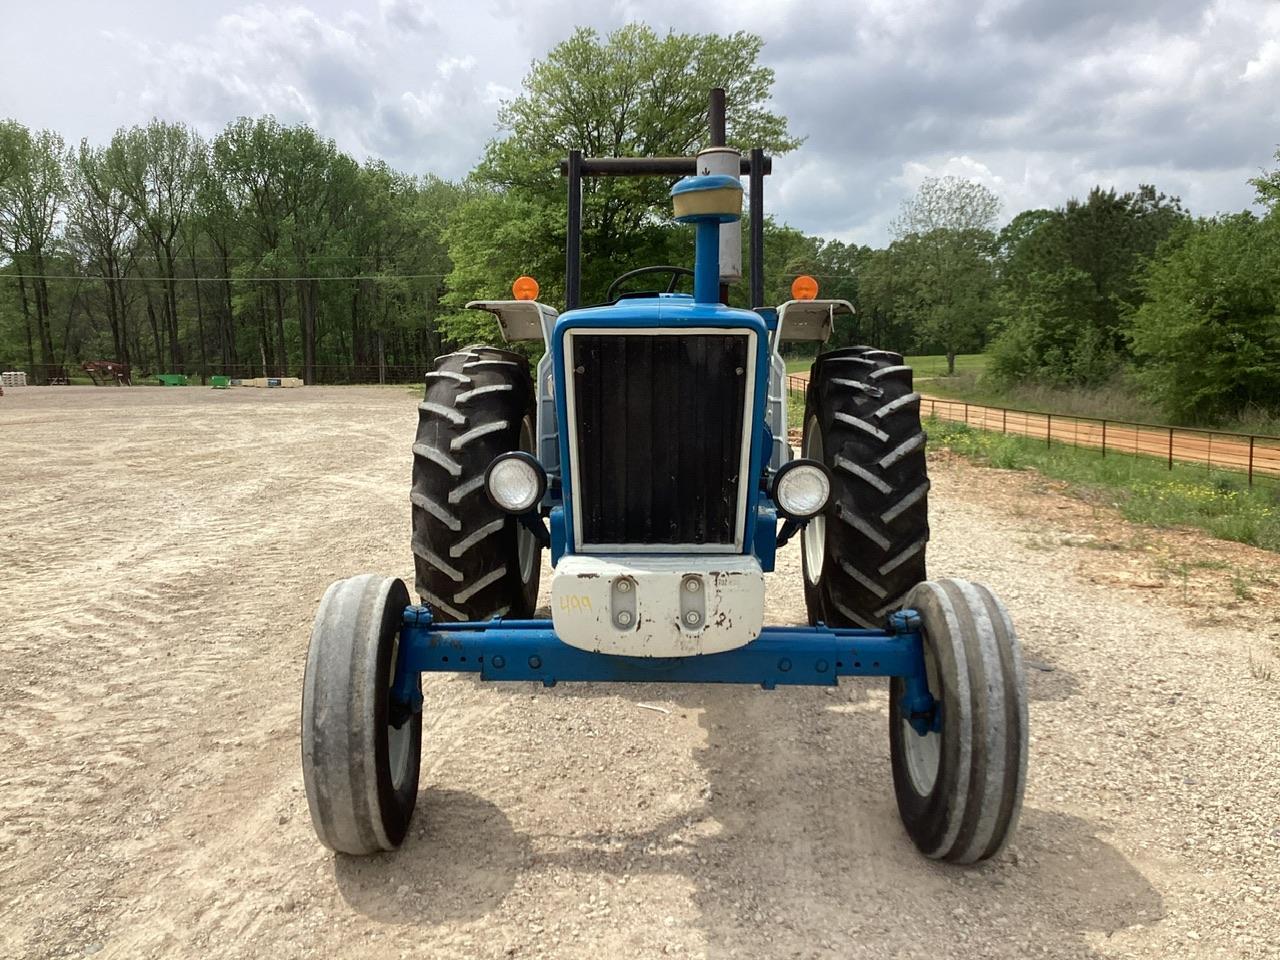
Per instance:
{"type": "Point", "coordinates": [676, 274]}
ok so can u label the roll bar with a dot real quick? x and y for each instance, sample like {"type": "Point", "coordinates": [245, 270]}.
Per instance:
{"type": "Point", "coordinates": [756, 166]}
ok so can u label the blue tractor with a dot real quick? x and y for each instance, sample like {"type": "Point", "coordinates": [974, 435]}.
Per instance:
{"type": "Point", "coordinates": [648, 452]}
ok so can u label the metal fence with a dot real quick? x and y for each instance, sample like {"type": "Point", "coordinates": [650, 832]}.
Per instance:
{"type": "Point", "coordinates": [1255, 455]}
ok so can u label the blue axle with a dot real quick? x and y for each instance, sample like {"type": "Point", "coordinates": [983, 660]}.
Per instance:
{"type": "Point", "coordinates": [795, 656]}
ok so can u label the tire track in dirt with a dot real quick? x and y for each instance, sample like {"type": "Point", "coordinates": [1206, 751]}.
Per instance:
{"type": "Point", "coordinates": [145, 630]}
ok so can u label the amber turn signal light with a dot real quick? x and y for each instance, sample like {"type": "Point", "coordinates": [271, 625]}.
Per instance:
{"type": "Point", "coordinates": [804, 287]}
{"type": "Point", "coordinates": [525, 288]}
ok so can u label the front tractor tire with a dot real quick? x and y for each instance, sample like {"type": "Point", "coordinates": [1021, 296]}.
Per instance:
{"type": "Point", "coordinates": [960, 785]}
{"type": "Point", "coordinates": [360, 753]}
{"type": "Point", "coordinates": [863, 555]}
{"type": "Point", "coordinates": [472, 561]}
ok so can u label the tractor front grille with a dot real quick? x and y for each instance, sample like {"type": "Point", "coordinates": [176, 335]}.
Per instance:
{"type": "Point", "coordinates": [658, 434]}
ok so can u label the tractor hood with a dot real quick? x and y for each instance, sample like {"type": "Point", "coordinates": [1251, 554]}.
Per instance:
{"type": "Point", "coordinates": [663, 310]}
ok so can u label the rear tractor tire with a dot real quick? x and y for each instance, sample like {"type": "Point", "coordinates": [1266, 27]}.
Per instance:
{"type": "Point", "coordinates": [360, 769]}
{"type": "Point", "coordinates": [472, 561]}
{"type": "Point", "coordinates": [960, 786]}
{"type": "Point", "coordinates": [863, 555]}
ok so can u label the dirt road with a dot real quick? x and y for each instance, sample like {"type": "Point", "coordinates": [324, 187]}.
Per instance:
{"type": "Point", "coordinates": [1205, 447]}
{"type": "Point", "coordinates": [163, 553]}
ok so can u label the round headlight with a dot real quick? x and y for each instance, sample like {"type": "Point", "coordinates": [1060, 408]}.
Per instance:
{"type": "Point", "coordinates": [515, 482]}
{"type": "Point", "coordinates": [801, 489]}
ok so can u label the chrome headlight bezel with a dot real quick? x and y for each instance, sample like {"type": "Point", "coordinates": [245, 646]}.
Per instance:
{"type": "Point", "coordinates": [787, 475]}
{"type": "Point", "coordinates": [536, 474]}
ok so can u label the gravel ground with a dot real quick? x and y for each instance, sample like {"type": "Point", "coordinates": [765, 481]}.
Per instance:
{"type": "Point", "coordinates": [164, 551]}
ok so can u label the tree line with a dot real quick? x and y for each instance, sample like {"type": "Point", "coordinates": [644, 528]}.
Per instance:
{"type": "Point", "coordinates": [1123, 288]}
{"type": "Point", "coordinates": [266, 249]}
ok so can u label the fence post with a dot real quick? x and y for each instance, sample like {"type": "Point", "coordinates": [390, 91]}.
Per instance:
{"type": "Point", "coordinates": [1004, 420]}
{"type": "Point", "coordinates": [1104, 439]}
{"type": "Point", "coordinates": [1251, 460]}
{"type": "Point", "coordinates": [1171, 448]}
{"type": "Point", "coordinates": [1048, 429]}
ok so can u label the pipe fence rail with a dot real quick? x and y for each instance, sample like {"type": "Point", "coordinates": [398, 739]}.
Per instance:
{"type": "Point", "coordinates": [1255, 455]}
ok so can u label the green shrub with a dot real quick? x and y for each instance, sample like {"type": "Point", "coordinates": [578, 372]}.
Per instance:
{"type": "Point", "coordinates": [1207, 339]}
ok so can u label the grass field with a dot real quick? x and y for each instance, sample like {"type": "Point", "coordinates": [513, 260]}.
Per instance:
{"type": "Point", "coordinates": [934, 365]}
{"type": "Point", "coordinates": [1144, 490]}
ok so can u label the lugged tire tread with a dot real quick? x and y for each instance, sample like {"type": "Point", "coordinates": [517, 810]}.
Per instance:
{"type": "Point", "coordinates": [878, 524]}
{"type": "Point", "coordinates": [465, 553]}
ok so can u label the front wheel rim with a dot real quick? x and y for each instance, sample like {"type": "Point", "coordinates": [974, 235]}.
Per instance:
{"type": "Point", "coordinates": [813, 538]}
{"type": "Point", "coordinates": [399, 739]}
{"type": "Point", "coordinates": [923, 754]}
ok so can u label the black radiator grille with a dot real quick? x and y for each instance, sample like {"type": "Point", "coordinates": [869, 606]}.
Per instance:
{"type": "Point", "coordinates": [659, 433]}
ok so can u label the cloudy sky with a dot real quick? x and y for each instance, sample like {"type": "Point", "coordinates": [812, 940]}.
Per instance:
{"type": "Point", "coordinates": [1039, 99]}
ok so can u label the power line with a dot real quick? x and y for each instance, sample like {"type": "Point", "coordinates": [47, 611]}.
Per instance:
{"type": "Point", "coordinates": [181, 258]}
{"type": "Point", "coordinates": [136, 278]}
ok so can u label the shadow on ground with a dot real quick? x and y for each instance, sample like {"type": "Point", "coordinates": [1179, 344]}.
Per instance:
{"type": "Point", "coordinates": [460, 859]}
{"type": "Point", "coordinates": [811, 859]}
{"type": "Point", "coordinates": [796, 849]}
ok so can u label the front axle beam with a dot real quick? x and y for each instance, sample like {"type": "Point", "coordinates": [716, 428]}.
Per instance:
{"type": "Point", "coordinates": [530, 650]}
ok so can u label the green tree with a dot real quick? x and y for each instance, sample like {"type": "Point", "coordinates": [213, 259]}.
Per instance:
{"type": "Point", "coordinates": [787, 254]}
{"type": "Point", "coordinates": [1268, 187]}
{"type": "Point", "coordinates": [33, 191]}
{"type": "Point", "coordinates": [1070, 280]}
{"type": "Point", "coordinates": [1017, 252]}
{"type": "Point", "coordinates": [838, 268]}
{"type": "Point", "coordinates": [1207, 338]}
{"type": "Point", "coordinates": [99, 231]}
{"type": "Point", "coordinates": [885, 302]}
{"type": "Point", "coordinates": [318, 186]}
{"type": "Point", "coordinates": [219, 233]}
{"type": "Point", "coordinates": [397, 231]}
{"type": "Point", "coordinates": [1041, 334]}
{"type": "Point", "coordinates": [943, 251]}
{"type": "Point", "coordinates": [248, 161]}
{"type": "Point", "coordinates": [495, 237]}
{"type": "Point", "coordinates": [632, 93]}
{"type": "Point", "coordinates": [157, 169]}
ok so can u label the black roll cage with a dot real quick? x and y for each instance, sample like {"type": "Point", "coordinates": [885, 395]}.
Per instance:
{"type": "Point", "coordinates": [755, 166]}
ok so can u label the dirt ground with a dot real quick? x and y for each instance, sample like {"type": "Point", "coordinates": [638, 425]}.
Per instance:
{"type": "Point", "coordinates": [165, 549]}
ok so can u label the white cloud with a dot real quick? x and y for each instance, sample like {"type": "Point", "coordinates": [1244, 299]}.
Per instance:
{"type": "Point", "coordinates": [1265, 64]}
{"type": "Point", "coordinates": [1038, 99]}
{"type": "Point", "coordinates": [392, 84]}
{"type": "Point", "coordinates": [451, 65]}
